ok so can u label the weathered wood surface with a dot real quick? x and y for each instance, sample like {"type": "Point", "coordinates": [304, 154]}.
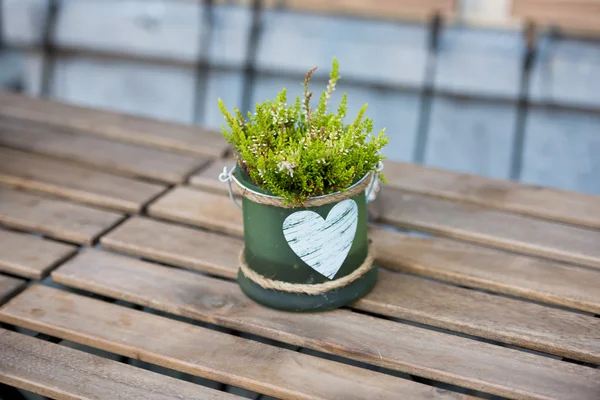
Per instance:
{"type": "Point", "coordinates": [218, 356]}
{"type": "Point", "coordinates": [191, 206]}
{"type": "Point", "coordinates": [52, 217]}
{"type": "Point", "coordinates": [480, 224]}
{"type": "Point", "coordinates": [384, 343]}
{"type": "Point", "coordinates": [30, 256]}
{"type": "Point", "coordinates": [125, 158]}
{"type": "Point", "coordinates": [8, 286]}
{"type": "Point", "coordinates": [200, 250]}
{"type": "Point", "coordinates": [123, 127]}
{"type": "Point", "coordinates": [457, 262]}
{"type": "Point", "coordinates": [573, 14]}
{"type": "Point", "coordinates": [396, 295]}
{"type": "Point", "coordinates": [59, 372]}
{"type": "Point", "coordinates": [74, 181]}
{"type": "Point", "coordinates": [542, 202]}
{"type": "Point", "coordinates": [489, 269]}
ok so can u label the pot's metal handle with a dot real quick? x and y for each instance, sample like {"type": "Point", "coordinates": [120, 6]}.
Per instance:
{"type": "Point", "coordinates": [374, 185]}
{"type": "Point", "coordinates": [227, 176]}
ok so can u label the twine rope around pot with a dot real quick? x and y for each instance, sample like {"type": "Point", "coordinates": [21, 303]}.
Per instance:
{"type": "Point", "coordinates": [301, 288]}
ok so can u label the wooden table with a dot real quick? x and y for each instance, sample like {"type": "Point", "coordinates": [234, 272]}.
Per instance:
{"type": "Point", "coordinates": [499, 294]}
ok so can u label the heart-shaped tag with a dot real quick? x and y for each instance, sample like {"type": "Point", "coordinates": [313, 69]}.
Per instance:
{"type": "Point", "coordinates": [323, 244]}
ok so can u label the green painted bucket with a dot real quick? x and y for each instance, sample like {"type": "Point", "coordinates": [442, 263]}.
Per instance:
{"type": "Point", "coordinates": [305, 246]}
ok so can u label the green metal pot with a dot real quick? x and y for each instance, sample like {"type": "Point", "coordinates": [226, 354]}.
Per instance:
{"type": "Point", "coordinates": [269, 254]}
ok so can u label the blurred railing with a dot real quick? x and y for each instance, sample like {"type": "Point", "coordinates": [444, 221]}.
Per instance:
{"type": "Point", "coordinates": [487, 101]}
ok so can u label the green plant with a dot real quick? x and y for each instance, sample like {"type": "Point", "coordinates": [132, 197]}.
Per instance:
{"type": "Point", "coordinates": [297, 152]}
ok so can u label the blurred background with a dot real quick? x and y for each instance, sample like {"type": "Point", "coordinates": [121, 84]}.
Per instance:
{"type": "Point", "coordinates": [502, 88]}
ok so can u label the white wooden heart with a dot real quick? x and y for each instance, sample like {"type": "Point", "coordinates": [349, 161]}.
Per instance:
{"type": "Point", "coordinates": [323, 244]}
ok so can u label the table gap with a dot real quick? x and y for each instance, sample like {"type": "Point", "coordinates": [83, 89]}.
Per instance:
{"type": "Point", "coordinates": [39, 235]}
{"type": "Point", "coordinates": [151, 200]}
{"type": "Point", "coordinates": [582, 363]}
{"type": "Point", "coordinates": [56, 197]}
{"type": "Point", "coordinates": [96, 240]}
{"type": "Point", "coordinates": [197, 170]}
{"type": "Point", "coordinates": [12, 393]}
{"type": "Point", "coordinates": [187, 224]}
{"type": "Point", "coordinates": [68, 200]}
{"type": "Point", "coordinates": [15, 292]}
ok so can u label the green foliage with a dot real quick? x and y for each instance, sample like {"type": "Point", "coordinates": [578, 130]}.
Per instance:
{"type": "Point", "coordinates": [297, 152]}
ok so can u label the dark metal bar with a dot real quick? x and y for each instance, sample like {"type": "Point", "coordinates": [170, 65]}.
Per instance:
{"type": "Point", "coordinates": [48, 61]}
{"type": "Point", "coordinates": [435, 27]}
{"type": "Point", "coordinates": [206, 21]}
{"type": "Point", "coordinates": [252, 47]}
{"type": "Point", "coordinates": [1, 25]}
{"type": "Point", "coordinates": [529, 59]}
{"type": "Point", "coordinates": [16, 85]}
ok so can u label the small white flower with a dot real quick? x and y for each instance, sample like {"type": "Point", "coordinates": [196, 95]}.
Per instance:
{"type": "Point", "coordinates": [286, 166]}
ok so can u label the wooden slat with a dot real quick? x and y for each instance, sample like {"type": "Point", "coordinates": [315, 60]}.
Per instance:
{"type": "Point", "coordinates": [558, 205]}
{"type": "Point", "coordinates": [205, 209]}
{"type": "Point", "coordinates": [56, 218]}
{"type": "Point", "coordinates": [30, 256]}
{"type": "Point", "coordinates": [574, 14]}
{"type": "Point", "coordinates": [71, 180]}
{"type": "Point", "coordinates": [558, 332]}
{"type": "Point", "coordinates": [479, 224]}
{"type": "Point", "coordinates": [456, 262]}
{"type": "Point", "coordinates": [208, 353]}
{"type": "Point", "coordinates": [381, 342]}
{"type": "Point", "coordinates": [123, 127]}
{"type": "Point", "coordinates": [58, 372]}
{"type": "Point", "coordinates": [178, 245]}
{"type": "Point", "coordinates": [8, 286]}
{"type": "Point", "coordinates": [125, 158]}
{"type": "Point", "coordinates": [489, 269]}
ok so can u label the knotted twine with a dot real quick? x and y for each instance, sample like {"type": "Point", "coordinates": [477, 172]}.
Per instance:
{"type": "Point", "coordinates": [300, 288]}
